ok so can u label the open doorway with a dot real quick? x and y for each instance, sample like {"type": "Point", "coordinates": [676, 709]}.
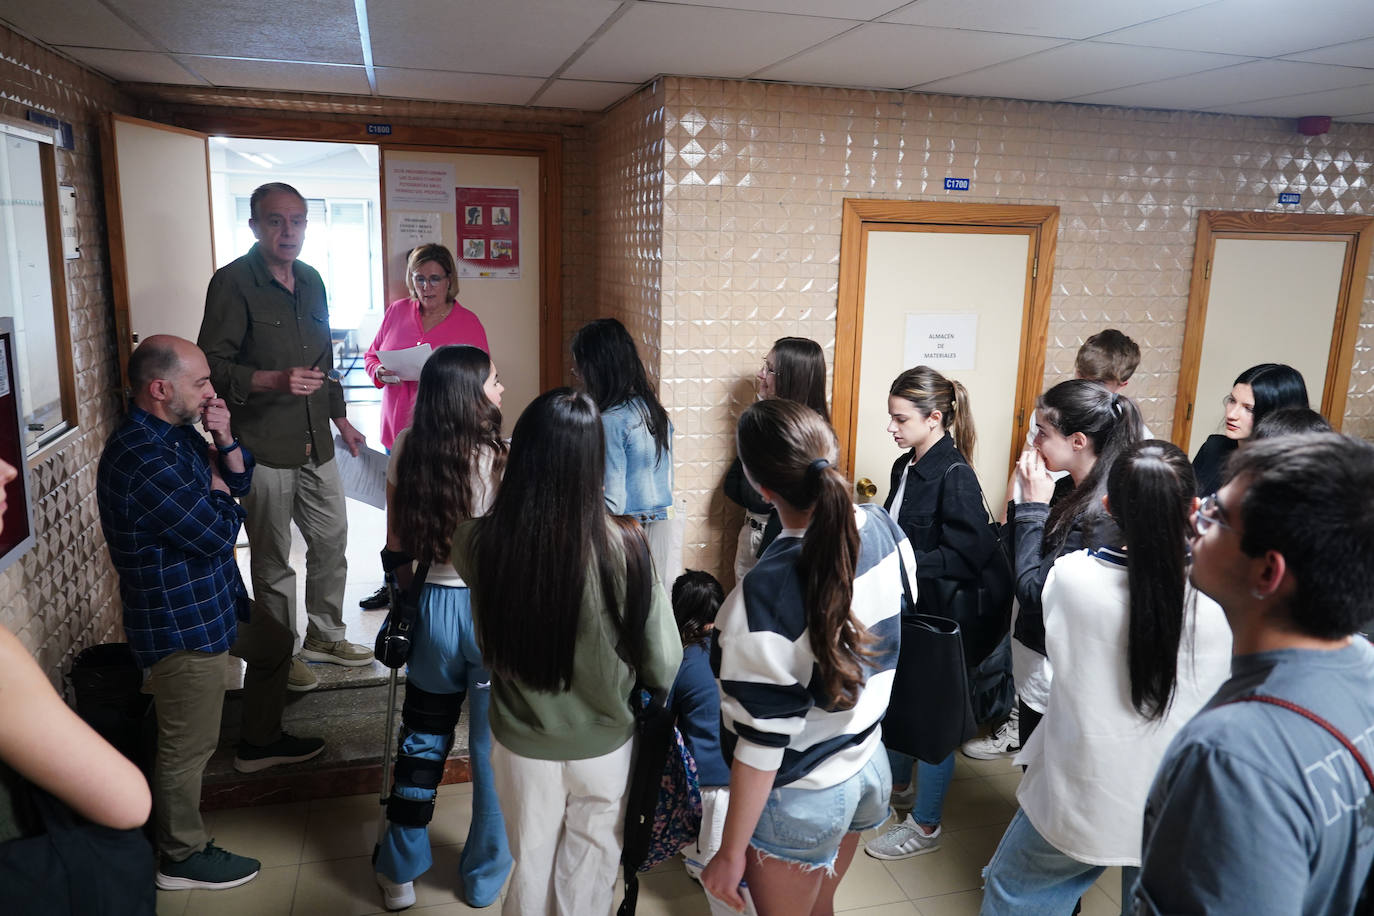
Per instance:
{"type": "Point", "coordinates": [342, 190]}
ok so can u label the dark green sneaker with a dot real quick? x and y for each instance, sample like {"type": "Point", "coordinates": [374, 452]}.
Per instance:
{"type": "Point", "coordinates": [286, 749]}
{"type": "Point", "coordinates": [212, 869]}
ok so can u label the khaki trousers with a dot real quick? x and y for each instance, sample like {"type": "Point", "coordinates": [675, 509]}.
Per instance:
{"type": "Point", "coordinates": [311, 496]}
{"type": "Point", "coordinates": [188, 696]}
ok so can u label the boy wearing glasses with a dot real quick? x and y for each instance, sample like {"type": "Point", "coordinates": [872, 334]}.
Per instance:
{"type": "Point", "coordinates": [1256, 809]}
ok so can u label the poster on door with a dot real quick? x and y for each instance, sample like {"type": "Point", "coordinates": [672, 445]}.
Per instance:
{"type": "Point", "coordinates": [488, 232]}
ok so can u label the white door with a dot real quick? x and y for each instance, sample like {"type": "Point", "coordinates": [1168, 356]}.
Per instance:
{"type": "Point", "coordinates": [976, 281]}
{"type": "Point", "coordinates": [157, 195]}
{"type": "Point", "coordinates": [1270, 300]}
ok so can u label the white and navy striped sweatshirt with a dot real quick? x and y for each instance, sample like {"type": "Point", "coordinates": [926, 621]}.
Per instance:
{"type": "Point", "coordinates": [774, 714]}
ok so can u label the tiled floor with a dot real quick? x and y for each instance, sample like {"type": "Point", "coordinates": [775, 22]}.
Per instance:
{"type": "Point", "coordinates": [315, 858]}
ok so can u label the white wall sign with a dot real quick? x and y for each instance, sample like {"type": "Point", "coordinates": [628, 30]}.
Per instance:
{"type": "Point", "coordinates": [412, 229]}
{"type": "Point", "coordinates": [420, 185]}
{"type": "Point", "coordinates": [942, 342]}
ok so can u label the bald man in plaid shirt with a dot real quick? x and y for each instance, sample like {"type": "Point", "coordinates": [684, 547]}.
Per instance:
{"type": "Point", "coordinates": [169, 515]}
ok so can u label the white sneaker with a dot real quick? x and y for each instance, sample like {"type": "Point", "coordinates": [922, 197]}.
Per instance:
{"type": "Point", "coordinates": [1005, 742]}
{"type": "Point", "coordinates": [904, 799]}
{"type": "Point", "coordinates": [903, 841]}
{"type": "Point", "coordinates": [396, 896]}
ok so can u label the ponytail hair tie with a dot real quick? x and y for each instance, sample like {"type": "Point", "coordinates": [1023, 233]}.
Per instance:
{"type": "Point", "coordinates": [1116, 403]}
{"type": "Point", "coordinates": [816, 468]}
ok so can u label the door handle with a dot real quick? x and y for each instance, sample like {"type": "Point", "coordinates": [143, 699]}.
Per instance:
{"type": "Point", "coordinates": [865, 489]}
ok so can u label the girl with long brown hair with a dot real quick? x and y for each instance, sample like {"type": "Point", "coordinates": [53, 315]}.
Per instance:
{"type": "Point", "coordinates": [807, 647]}
{"type": "Point", "coordinates": [445, 467]}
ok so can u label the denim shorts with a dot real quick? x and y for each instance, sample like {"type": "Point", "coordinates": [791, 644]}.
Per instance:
{"type": "Point", "coordinates": [806, 826]}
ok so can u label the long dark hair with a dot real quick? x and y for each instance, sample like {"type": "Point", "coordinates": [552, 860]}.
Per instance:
{"type": "Point", "coordinates": [787, 448]}
{"type": "Point", "coordinates": [1111, 421]}
{"type": "Point", "coordinates": [928, 391]}
{"type": "Point", "coordinates": [546, 538]}
{"type": "Point", "coordinates": [610, 367]}
{"type": "Point", "coordinates": [1150, 496]}
{"type": "Point", "coordinates": [453, 421]}
{"type": "Point", "coordinates": [697, 596]}
{"type": "Point", "coordinates": [799, 373]}
{"type": "Point", "coordinates": [1274, 385]}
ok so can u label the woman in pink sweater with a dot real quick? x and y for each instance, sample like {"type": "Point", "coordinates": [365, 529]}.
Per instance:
{"type": "Point", "coordinates": [431, 316]}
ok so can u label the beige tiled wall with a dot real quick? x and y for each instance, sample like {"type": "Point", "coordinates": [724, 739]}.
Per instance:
{"type": "Point", "coordinates": [629, 200]}
{"type": "Point", "coordinates": [753, 179]}
{"type": "Point", "coordinates": [63, 595]}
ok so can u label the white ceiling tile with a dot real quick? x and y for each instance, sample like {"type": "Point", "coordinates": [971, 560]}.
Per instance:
{"type": "Point", "coordinates": [1078, 69]}
{"type": "Point", "coordinates": [1256, 28]}
{"type": "Point", "coordinates": [1061, 18]}
{"type": "Point", "coordinates": [447, 86]}
{"type": "Point", "coordinates": [73, 22]}
{"type": "Point", "coordinates": [1248, 82]}
{"type": "Point", "coordinates": [322, 31]}
{"type": "Point", "coordinates": [697, 41]}
{"type": "Point", "coordinates": [134, 66]}
{"type": "Point", "coordinates": [586, 95]}
{"type": "Point", "coordinates": [897, 56]}
{"type": "Point", "coordinates": [851, 9]}
{"type": "Point", "coordinates": [1351, 54]}
{"type": "Point", "coordinates": [288, 75]}
{"type": "Point", "coordinates": [1334, 102]}
{"type": "Point", "coordinates": [522, 37]}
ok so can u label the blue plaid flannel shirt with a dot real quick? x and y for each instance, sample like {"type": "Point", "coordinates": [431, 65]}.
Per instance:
{"type": "Point", "coordinates": [171, 538]}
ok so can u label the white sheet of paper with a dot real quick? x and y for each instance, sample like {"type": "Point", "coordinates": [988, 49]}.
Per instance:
{"type": "Point", "coordinates": [406, 363]}
{"type": "Point", "coordinates": [364, 477]}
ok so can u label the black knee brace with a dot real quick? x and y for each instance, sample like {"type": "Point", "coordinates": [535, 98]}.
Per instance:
{"type": "Point", "coordinates": [433, 714]}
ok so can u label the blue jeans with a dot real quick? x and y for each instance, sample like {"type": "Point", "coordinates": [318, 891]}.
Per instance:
{"type": "Point", "coordinates": [932, 784]}
{"type": "Point", "coordinates": [442, 661]}
{"type": "Point", "coordinates": [1029, 877]}
{"type": "Point", "coordinates": [806, 826]}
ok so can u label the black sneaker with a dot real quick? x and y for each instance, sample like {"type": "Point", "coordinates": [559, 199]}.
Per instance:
{"type": "Point", "coordinates": [211, 869]}
{"type": "Point", "coordinates": [377, 600]}
{"type": "Point", "coordinates": [286, 749]}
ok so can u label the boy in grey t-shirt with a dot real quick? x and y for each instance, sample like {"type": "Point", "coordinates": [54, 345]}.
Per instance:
{"type": "Point", "coordinates": [1255, 809]}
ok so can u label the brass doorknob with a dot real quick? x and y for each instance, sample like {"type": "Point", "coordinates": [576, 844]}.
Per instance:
{"type": "Point", "coordinates": [865, 489]}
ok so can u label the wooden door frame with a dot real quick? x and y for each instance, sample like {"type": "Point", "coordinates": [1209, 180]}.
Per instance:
{"type": "Point", "coordinates": [548, 148]}
{"type": "Point", "coordinates": [1214, 224]}
{"type": "Point", "coordinates": [861, 214]}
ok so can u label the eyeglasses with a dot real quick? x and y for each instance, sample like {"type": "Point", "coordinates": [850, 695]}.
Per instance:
{"type": "Point", "coordinates": [768, 369]}
{"type": "Point", "coordinates": [1209, 513]}
{"type": "Point", "coordinates": [431, 280]}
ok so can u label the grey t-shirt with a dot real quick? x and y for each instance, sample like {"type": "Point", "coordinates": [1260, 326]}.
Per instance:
{"type": "Point", "coordinates": [1257, 810]}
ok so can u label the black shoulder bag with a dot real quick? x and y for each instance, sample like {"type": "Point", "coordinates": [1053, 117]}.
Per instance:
{"type": "Point", "coordinates": [929, 714]}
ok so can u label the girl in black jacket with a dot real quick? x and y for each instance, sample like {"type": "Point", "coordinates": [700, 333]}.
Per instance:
{"type": "Point", "coordinates": [1083, 426]}
{"type": "Point", "coordinates": [936, 499]}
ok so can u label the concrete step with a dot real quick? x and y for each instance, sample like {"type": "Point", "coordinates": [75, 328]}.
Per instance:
{"type": "Point", "coordinates": [348, 710]}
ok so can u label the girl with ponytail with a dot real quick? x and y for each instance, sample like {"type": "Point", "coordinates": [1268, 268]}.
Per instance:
{"type": "Point", "coordinates": [1083, 427]}
{"type": "Point", "coordinates": [936, 499]}
{"type": "Point", "coordinates": [1137, 653]}
{"type": "Point", "coordinates": [806, 649]}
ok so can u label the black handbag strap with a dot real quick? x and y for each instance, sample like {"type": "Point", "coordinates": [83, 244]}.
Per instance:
{"type": "Point", "coordinates": [991, 518]}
